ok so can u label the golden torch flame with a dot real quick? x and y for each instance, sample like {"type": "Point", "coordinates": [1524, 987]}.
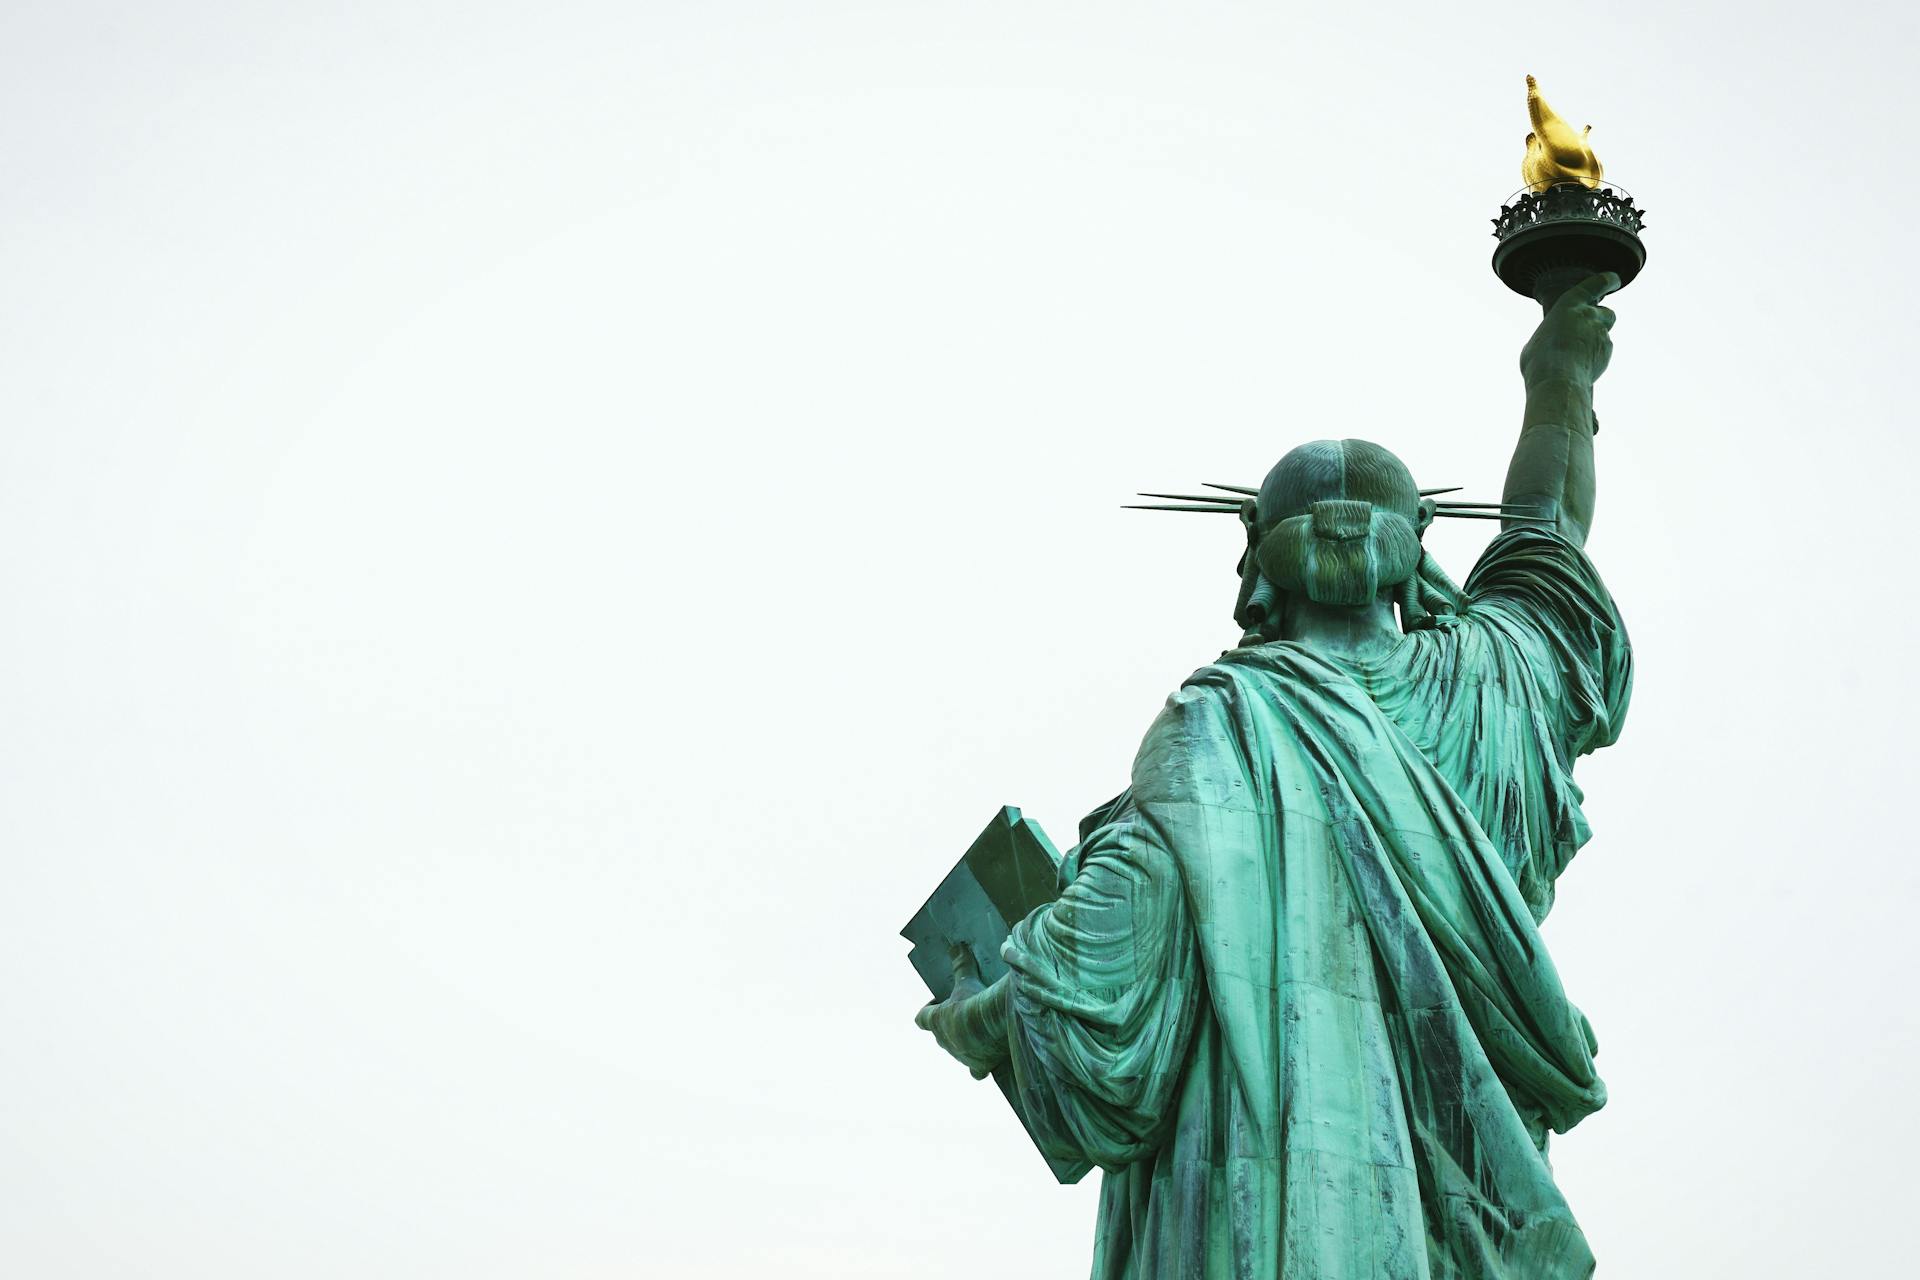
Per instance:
{"type": "Point", "coordinates": [1556, 152]}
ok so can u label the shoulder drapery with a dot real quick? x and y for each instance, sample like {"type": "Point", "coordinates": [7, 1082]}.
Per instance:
{"type": "Point", "coordinates": [1537, 672]}
{"type": "Point", "coordinates": [1544, 597]}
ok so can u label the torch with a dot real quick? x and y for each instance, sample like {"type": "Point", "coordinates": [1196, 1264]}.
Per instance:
{"type": "Point", "coordinates": [1567, 222]}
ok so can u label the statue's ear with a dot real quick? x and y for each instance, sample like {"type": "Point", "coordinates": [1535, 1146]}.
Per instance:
{"type": "Point", "coordinates": [1529, 141]}
{"type": "Point", "coordinates": [1423, 519]}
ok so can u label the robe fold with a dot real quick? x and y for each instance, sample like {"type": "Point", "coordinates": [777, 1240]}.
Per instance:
{"type": "Point", "coordinates": [1292, 998]}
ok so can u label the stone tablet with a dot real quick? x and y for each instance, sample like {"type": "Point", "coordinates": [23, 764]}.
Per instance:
{"type": "Point", "coordinates": [1008, 871]}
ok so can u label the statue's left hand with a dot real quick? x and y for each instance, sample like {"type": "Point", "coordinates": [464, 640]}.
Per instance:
{"type": "Point", "coordinates": [956, 1022]}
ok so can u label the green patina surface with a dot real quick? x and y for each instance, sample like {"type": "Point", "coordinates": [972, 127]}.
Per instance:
{"type": "Point", "coordinates": [1291, 996]}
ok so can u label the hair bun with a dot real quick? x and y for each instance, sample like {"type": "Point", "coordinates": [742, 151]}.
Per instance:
{"type": "Point", "coordinates": [1342, 552]}
{"type": "Point", "coordinates": [1341, 519]}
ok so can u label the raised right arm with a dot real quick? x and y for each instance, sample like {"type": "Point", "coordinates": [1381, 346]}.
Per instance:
{"type": "Point", "coordinates": [1551, 473]}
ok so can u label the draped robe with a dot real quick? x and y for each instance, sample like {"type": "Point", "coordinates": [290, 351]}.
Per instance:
{"type": "Point", "coordinates": [1292, 998]}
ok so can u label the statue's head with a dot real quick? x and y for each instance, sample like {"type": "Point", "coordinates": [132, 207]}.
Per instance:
{"type": "Point", "coordinates": [1338, 521]}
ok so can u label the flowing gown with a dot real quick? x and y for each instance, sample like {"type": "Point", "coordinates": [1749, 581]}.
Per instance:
{"type": "Point", "coordinates": [1292, 998]}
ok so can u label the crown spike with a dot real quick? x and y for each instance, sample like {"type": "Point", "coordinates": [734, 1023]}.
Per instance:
{"type": "Point", "coordinates": [1492, 515]}
{"type": "Point", "coordinates": [1215, 499]}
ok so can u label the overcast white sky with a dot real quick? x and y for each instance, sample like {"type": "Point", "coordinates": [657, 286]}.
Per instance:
{"type": "Point", "coordinates": [533, 534]}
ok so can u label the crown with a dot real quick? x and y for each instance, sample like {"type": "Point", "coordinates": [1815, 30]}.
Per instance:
{"type": "Point", "coordinates": [1225, 503]}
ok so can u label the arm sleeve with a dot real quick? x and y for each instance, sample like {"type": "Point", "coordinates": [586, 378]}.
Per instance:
{"type": "Point", "coordinates": [1105, 992]}
{"type": "Point", "coordinates": [1540, 594]}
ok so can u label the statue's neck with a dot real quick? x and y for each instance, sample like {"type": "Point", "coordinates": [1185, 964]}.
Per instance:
{"type": "Point", "coordinates": [1359, 633]}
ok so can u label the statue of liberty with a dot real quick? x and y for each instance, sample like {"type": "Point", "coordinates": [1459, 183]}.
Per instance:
{"type": "Point", "coordinates": [1292, 998]}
